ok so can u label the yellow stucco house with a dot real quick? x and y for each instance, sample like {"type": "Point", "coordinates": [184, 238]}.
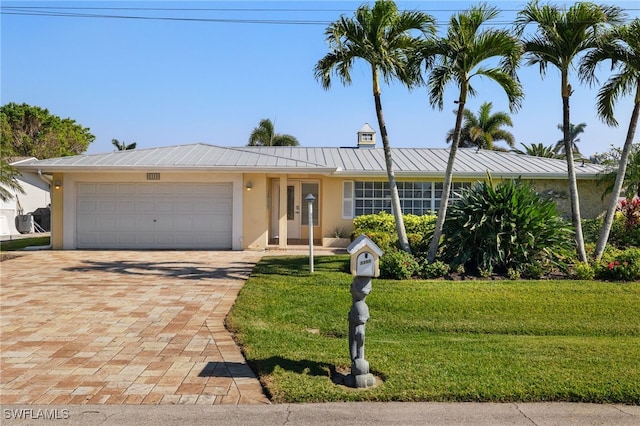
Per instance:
{"type": "Point", "coordinates": [201, 196]}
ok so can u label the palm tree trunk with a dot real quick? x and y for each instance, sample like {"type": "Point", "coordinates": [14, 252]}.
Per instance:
{"type": "Point", "coordinates": [617, 186]}
{"type": "Point", "coordinates": [573, 184]}
{"type": "Point", "coordinates": [448, 175]}
{"type": "Point", "coordinates": [395, 198]}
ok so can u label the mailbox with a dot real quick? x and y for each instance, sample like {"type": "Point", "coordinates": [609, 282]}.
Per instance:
{"type": "Point", "coordinates": [365, 257]}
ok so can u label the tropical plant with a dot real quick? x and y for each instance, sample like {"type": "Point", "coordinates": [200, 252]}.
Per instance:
{"type": "Point", "coordinates": [8, 174]}
{"type": "Point", "coordinates": [622, 47]}
{"type": "Point", "coordinates": [484, 129]}
{"type": "Point", "coordinates": [537, 150]}
{"type": "Point", "coordinates": [574, 131]}
{"type": "Point", "coordinates": [265, 135]}
{"type": "Point", "coordinates": [123, 146]}
{"type": "Point", "coordinates": [631, 177]}
{"type": "Point", "coordinates": [559, 36]}
{"type": "Point", "coordinates": [506, 226]}
{"type": "Point", "coordinates": [398, 265]}
{"type": "Point", "coordinates": [466, 52]}
{"type": "Point", "coordinates": [382, 37]}
{"type": "Point", "coordinates": [31, 131]}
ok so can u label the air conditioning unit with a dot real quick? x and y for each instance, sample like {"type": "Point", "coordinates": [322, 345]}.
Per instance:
{"type": "Point", "coordinates": [24, 224]}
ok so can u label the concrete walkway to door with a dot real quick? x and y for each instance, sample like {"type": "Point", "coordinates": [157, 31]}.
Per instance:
{"type": "Point", "coordinates": [123, 327]}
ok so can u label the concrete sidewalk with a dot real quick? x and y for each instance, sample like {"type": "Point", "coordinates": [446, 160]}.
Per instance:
{"type": "Point", "coordinates": [392, 413]}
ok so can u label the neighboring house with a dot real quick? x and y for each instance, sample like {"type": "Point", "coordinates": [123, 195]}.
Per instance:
{"type": "Point", "coordinates": [33, 203]}
{"type": "Point", "coordinates": [209, 197]}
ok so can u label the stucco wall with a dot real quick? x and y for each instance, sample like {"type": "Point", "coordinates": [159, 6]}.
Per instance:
{"type": "Point", "coordinates": [256, 212]}
{"type": "Point", "coordinates": [591, 205]}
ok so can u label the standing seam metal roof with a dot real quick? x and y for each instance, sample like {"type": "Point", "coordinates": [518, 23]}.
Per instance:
{"type": "Point", "coordinates": [339, 161]}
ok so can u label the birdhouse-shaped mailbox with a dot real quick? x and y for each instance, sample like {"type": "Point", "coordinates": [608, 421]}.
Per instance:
{"type": "Point", "coordinates": [365, 257]}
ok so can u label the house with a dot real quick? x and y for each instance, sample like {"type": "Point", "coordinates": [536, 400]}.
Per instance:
{"type": "Point", "coordinates": [202, 196]}
{"type": "Point", "coordinates": [26, 212]}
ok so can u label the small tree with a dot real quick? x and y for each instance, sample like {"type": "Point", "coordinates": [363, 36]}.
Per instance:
{"type": "Point", "coordinates": [31, 131]}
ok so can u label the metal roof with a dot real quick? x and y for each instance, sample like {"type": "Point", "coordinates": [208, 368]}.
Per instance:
{"type": "Point", "coordinates": [350, 161]}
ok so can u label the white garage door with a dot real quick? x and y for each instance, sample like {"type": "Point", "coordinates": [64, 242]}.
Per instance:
{"type": "Point", "coordinates": [154, 215]}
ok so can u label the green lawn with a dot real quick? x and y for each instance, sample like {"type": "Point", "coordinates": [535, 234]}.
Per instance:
{"type": "Point", "coordinates": [441, 340]}
{"type": "Point", "coordinates": [19, 244]}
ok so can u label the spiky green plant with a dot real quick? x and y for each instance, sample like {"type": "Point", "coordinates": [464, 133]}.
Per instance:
{"type": "Point", "coordinates": [503, 227]}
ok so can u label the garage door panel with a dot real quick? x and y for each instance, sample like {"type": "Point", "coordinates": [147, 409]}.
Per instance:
{"type": "Point", "coordinates": [154, 215]}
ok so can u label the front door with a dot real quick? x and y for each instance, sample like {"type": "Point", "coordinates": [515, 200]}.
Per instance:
{"type": "Point", "coordinates": [293, 210]}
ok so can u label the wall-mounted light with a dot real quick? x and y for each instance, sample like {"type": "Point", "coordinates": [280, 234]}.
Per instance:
{"type": "Point", "coordinates": [249, 186]}
{"type": "Point", "coordinates": [57, 184]}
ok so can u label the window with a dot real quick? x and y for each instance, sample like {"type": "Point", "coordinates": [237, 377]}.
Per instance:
{"type": "Point", "coordinates": [417, 198]}
{"type": "Point", "coordinates": [347, 199]}
{"type": "Point", "coordinates": [310, 188]}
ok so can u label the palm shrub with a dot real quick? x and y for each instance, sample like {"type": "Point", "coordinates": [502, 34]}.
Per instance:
{"type": "Point", "coordinates": [504, 227]}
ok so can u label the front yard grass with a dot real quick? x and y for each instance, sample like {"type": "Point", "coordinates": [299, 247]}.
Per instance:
{"type": "Point", "coordinates": [21, 243]}
{"type": "Point", "coordinates": [440, 340]}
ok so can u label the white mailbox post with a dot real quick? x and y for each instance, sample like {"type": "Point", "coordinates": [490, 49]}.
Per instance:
{"type": "Point", "coordinates": [365, 264]}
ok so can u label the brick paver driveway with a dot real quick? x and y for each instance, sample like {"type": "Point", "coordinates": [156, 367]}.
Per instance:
{"type": "Point", "coordinates": [123, 327]}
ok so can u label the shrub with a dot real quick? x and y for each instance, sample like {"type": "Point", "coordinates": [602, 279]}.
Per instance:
{"type": "Point", "coordinates": [583, 271]}
{"type": "Point", "coordinates": [620, 265]}
{"type": "Point", "coordinates": [384, 240]}
{"type": "Point", "coordinates": [380, 222]}
{"type": "Point", "coordinates": [504, 227]}
{"type": "Point", "coordinates": [399, 265]}
{"type": "Point", "coordinates": [533, 270]}
{"type": "Point", "coordinates": [436, 269]}
{"type": "Point", "coordinates": [419, 230]}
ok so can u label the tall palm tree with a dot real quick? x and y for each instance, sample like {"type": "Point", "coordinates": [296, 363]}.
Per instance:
{"type": "Point", "coordinates": [482, 130]}
{"type": "Point", "coordinates": [265, 135]}
{"type": "Point", "coordinates": [123, 146]}
{"type": "Point", "coordinates": [574, 131]}
{"type": "Point", "coordinates": [560, 36]}
{"type": "Point", "coordinates": [381, 36]}
{"type": "Point", "coordinates": [622, 47]}
{"type": "Point", "coordinates": [537, 150]}
{"type": "Point", "coordinates": [468, 51]}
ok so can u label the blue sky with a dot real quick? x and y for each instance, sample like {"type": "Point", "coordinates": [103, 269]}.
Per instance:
{"type": "Point", "coordinates": [168, 82]}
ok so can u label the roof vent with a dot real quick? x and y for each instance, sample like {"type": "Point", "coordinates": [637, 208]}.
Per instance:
{"type": "Point", "coordinates": [366, 137]}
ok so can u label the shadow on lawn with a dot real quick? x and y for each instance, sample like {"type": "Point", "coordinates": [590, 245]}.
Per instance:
{"type": "Point", "coordinates": [299, 366]}
{"type": "Point", "coordinates": [181, 270]}
{"type": "Point", "coordinates": [299, 265]}
{"type": "Point", "coordinates": [337, 374]}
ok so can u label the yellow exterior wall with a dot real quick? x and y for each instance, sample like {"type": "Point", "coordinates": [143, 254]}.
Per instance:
{"type": "Point", "coordinates": [256, 212]}
{"type": "Point", "coordinates": [57, 212]}
{"type": "Point", "coordinates": [591, 204]}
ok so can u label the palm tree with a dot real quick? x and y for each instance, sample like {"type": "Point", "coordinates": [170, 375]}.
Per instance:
{"type": "Point", "coordinates": [265, 135]}
{"type": "Point", "coordinates": [622, 47]}
{"type": "Point", "coordinates": [574, 131]}
{"type": "Point", "coordinates": [382, 37]}
{"type": "Point", "coordinates": [537, 150]}
{"type": "Point", "coordinates": [482, 130]}
{"type": "Point", "coordinates": [559, 37]}
{"type": "Point", "coordinates": [468, 51]}
{"type": "Point", "coordinates": [122, 146]}
{"type": "Point", "coordinates": [8, 174]}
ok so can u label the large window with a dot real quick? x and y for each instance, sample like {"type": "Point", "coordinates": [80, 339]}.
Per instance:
{"type": "Point", "coordinates": [419, 198]}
